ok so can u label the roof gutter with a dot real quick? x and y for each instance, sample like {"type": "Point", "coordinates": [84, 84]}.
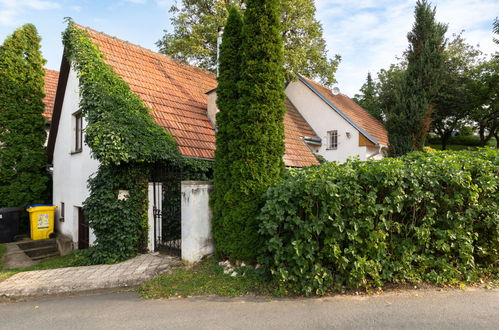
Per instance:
{"type": "Point", "coordinates": [335, 108]}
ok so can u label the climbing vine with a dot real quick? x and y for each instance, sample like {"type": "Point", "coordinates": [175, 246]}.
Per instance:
{"type": "Point", "coordinates": [124, 138]}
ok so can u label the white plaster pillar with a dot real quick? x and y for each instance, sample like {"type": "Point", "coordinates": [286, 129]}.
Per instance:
{"type": "Point", "coordinates": [197, 240]}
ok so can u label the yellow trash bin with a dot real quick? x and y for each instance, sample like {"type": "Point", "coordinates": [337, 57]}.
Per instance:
{"type": "Point", "coordinates": [41, 218]}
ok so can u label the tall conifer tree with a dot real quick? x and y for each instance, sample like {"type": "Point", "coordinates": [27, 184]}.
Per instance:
{"type": "Point", "coordinates": [23, 178]}
{"type": "Point", "coordinates": [408, 121]}
{"type": "Point", "coordinates": [255, 128]}
{"type": "Point", "coordinates": [227, 100]}
{"type": "Point", "coordinates": [368, 99]}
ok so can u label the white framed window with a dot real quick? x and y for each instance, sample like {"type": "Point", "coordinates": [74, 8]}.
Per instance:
{"type": "Point", "coordinates": [78, 132]}
{"type": "Point", "coordinates": [332, 140]}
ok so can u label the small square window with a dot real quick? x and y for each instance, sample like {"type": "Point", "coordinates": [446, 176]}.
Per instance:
{"type": "Point", "coordinates": [78, 132]}
{"type": "Point", "coordinates": [332, 138]}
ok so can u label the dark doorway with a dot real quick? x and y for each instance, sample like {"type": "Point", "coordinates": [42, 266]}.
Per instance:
{"type": "Point", "coordinates": [167, 208]}
{"type": "Point", "coordinates": [83, 231]}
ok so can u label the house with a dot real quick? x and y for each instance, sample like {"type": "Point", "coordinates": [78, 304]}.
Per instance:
{"type": "Point", "coordinates": [176, 94]}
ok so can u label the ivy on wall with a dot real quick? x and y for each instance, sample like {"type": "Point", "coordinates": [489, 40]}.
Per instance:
{"type": "Point", "coordinates": [123, 137]}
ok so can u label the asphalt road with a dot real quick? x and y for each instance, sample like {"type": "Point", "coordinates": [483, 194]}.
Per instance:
{"type": "Point", "coordinates": [420, 309]}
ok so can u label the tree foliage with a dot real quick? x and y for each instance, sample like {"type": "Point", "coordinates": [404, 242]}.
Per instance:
{"type": "Point", "coordinates": [23, 175]}
{"type": "Point", "coordinates": [485, 95]}
{"type": "Point", "coordinates": [256, 145]}
{"type": "Point", "coordinates": [409, 118]}
{"type": "Point", "coordinates": [368, 98]}
{"type": "Point", "coordinates": [454, 101]}
{"type": "Point", "coordinates": [196, 22]}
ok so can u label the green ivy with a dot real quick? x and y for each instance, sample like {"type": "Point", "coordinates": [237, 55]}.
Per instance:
{"type": "Point", "coordinates": [431, 217]}
{"type": "Point", "coordinates": [119, 126]}
{"type": "Point", "coordinates": [124, 138]}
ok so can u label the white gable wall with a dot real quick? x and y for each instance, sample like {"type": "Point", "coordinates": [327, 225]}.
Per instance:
{"type": "Point", "coordinates": [323, 119]}
{"type": "Point", "coordinates": [71, 170]}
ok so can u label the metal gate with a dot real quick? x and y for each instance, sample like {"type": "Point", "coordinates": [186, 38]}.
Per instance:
{"type": "Point", "coordinates": [167, 211]}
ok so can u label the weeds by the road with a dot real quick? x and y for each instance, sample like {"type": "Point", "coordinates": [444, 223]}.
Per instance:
{"type": "Point", "coordinates": [206, 278]}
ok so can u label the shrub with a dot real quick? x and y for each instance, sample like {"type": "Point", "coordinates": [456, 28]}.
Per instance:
{"type": "Point", "coordinates": [430, 217]}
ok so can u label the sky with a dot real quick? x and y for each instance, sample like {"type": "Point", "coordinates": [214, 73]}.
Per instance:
{"type": "Point", "coordinates": [368, 34]}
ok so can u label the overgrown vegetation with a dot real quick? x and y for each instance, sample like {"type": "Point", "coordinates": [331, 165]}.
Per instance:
{"type": "Point", "coordinates": [124, 138]}
{"type": "Point", "coordinates": [426, 217]}
{"type": "Point", "coordinates": [195, 24]}
{"type": "Point", "coordinates": [256, 146]}
{"type": "Point", "coordinates": [23, 176]}
{"type": "Point", "coordinates": [206, 278]}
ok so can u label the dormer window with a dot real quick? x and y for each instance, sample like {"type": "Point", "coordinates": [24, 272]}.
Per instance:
{"type": "Point", "coordinates": [332, 140]}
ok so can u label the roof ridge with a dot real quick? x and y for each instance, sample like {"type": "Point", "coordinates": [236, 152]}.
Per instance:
{"type": "Point", "coordinates": [155, 53]}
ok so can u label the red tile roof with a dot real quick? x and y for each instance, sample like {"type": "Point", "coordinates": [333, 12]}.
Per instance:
{"type": "Point", "coordinates": [175, 94]}
{"type": "Point", "coordinates": [51, 79]}
{"type": "Point", "coordinates": [363, 119]}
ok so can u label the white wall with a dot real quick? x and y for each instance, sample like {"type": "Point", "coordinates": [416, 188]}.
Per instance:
{"type": "Point", "coordinates": [197, 240]}
{"type": "Point", "coordinates": [323, 119]}
{"type": "Point", "coordinates": [70, 171]}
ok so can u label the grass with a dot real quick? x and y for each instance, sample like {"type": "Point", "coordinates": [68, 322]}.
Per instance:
{"type": "Point", "coordinates": [206, 278]}
{"type": "Point", "coordinates": [70, 260]}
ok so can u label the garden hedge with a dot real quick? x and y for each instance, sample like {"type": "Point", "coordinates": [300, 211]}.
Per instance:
{"type": "Point", "coordinates": [431, 217]}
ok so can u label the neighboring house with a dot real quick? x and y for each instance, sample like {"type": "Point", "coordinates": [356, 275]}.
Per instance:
{"type": "Point", "coordinates": [344, 128]}
{"type": "Point", "coordinates": [176, 95]}
{"type": "Point", "coordinates": [51, 79]}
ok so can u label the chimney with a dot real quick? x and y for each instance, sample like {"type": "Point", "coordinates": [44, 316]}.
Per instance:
{"type": "Point", "coordinates": [212, 107]}
{"type": "Point", "coordinates": [219, 42]}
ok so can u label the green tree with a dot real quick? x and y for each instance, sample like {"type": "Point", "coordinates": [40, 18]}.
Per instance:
{"type": "Point", "coordinates": [227, 100]}
{"type": "Point", "coordinates": [454, 102]}
{"type": "Point", "coordinates": [257, 147]}
{"type": "Point", "coordinates": [485, 91]}
{"type": "Point", "coordinates": [196, 22]}
{"type": "Point", "coordinates": [409, 118]}
{"type": "Point", "coordinates": [368, 98]}
{"type": "Point", "coordinates": [23, 175]}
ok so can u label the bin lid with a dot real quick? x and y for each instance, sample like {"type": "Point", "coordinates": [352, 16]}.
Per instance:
{"type": "Point", "coordinates": [10, 209]}
{"type": "Point", "coordinates": [39, 205]}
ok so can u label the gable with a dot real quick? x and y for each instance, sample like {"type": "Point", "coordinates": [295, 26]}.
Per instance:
{"type": "Point", "coordinates": [374, 133]}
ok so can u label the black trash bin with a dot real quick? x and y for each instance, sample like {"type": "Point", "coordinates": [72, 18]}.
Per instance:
{"type": "Point", "coordinates": [9, 223]}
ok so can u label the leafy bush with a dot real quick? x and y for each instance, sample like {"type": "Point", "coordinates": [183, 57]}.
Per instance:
{"type": "Point", "coordinates": [430, 217]}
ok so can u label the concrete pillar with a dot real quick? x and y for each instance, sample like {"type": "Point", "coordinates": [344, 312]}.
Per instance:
{"type": "Point", "coordinates": [197, 240]}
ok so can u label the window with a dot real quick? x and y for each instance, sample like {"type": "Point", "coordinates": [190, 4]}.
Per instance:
{"type": "Point", "coordinates": [78, 138]}
{"type": "Point", "coordinates": [61, 217]}
{"type": "Point", "coordinates": [332, 138]}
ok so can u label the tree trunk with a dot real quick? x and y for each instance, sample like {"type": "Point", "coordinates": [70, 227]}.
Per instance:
{"type": "Point", "coordinates": [481, 132]}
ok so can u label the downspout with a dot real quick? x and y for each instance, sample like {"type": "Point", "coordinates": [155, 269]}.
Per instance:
{"type": "Point", "coordinates": [376, 153]}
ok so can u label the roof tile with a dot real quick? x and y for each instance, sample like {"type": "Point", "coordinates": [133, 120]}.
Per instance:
{"type": "Point", "coordinates": [51, 79]}
{"type": "Point", "coordinates": [175, 94]}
